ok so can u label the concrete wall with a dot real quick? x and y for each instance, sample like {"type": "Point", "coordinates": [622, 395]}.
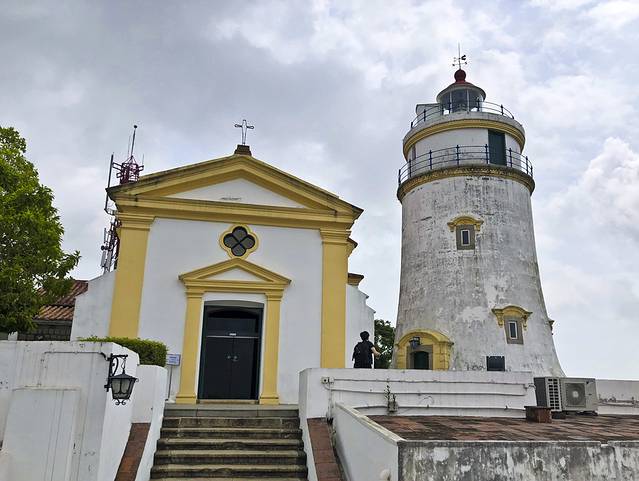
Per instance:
{"type": "Point", "coordinates": [618, 397]}
{"type": "Point", "coordinates": [518, 461]}
{"type": "Point", "coordinates": [359, 317]}
{"type": "Point", "coordinates": [92, 312]}
{"type": "Point", "coordinates": [148, 407]}
{"type": "Point", "coordinates": [367, 451]}
{"type": "Point", "coordinates": [101, 428]}
{"type": "Point", "coordinates": [454, 393]}
{"type": "Point", "coordinates": [454, 291]}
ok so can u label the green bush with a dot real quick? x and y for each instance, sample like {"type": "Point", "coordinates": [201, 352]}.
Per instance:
{"type": "Point", "coordinates": [152, 353]}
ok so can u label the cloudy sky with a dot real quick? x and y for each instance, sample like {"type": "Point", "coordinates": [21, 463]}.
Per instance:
{"type": "Point", "coordinates": [331, 88]}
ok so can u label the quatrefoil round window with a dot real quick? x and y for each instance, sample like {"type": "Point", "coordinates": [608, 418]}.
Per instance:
{"type": "Point", "coordinates": [239, 241]}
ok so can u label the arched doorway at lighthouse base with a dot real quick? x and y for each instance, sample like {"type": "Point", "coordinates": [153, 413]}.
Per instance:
{"type": "Point", "coordinates": [423, 349]}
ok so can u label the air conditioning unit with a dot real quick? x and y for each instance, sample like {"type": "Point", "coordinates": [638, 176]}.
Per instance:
{"type": "Point", "coordinates": [548, 391]}
{"type": "Point", "coordinates": [579, 394]}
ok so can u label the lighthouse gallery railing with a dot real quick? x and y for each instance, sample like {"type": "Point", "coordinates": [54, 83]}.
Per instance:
{"type": "Point", "coordinates": [445, 108]}
{"type": "Point", "coordinates": [464, 155]}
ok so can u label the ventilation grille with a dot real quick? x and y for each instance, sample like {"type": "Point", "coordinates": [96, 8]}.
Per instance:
{"type": "Point", "coordinates": [554, 394]}
{"type": "Point", "coordinates": [575, 394]}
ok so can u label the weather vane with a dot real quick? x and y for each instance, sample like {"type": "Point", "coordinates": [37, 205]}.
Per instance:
{"type": "Point", "coordinates": [460, 59]}
{"type": "Point", "coordinates": [244, 126]}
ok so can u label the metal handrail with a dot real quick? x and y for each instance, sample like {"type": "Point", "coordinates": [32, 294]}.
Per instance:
{"type": "Point", "coordinates": [463, 154]}
{"type": "Point", "coordinates": [446, 108]}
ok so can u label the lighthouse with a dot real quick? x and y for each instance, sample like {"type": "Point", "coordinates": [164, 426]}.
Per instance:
{"type": "Point", "coordinates": [470, 294]}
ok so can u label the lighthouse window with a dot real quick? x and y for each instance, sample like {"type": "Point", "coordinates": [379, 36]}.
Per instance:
{"type": "Point", "coordinates": [465, 237]}
{"type": "Point", "coordinates": [513, 331]}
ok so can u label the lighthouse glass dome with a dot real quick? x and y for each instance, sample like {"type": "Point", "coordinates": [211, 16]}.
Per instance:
{"type": "Point", "coordinates": [460, 99]}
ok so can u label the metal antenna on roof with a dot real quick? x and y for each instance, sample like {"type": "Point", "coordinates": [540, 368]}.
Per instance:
{"type": "Point", "coordinates": [245, 127]}
{"type": "Point", "coordinates": [460, 59]}
{"type": "Point", "coordinates": [127, 171]}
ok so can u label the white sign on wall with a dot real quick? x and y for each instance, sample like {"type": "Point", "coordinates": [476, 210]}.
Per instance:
{"type": "Point", "coordinates": [173, 359]}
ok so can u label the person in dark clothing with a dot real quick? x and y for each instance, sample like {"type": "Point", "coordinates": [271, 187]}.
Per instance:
{"type": "Point", "coordinates": [364, 351]}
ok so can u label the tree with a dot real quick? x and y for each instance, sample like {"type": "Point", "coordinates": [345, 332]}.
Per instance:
{"type": "Point", "coordinates": [33, 266]}
{"type": "Point", "coordinates": [384, 340]}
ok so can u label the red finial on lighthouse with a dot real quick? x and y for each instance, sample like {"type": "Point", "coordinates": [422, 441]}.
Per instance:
{"type": "Point", "coordinates": [460, 76]}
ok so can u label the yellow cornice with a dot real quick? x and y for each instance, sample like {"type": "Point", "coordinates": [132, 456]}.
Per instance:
{"type": "Point", "coordinates": [517, 134]}
{"type": "Point", "coordinates": [465, 220]}
{"type": "Point", "coordinates": [135, 221]}
{"type": "Point", "coordinates": [355, 279]}
{"type": "Point", "coordinates": [200, 278]}
{"type": "Point", "coordinates": [512, 311]}
{"type": "Point", "coordinates": [213, 211]}
{"type": "Point", "coordinates": [228, 168]}
{"type": "Point", "coordinates": [335, 236]}
{"type": "Point", "coordinates": [480, 170]}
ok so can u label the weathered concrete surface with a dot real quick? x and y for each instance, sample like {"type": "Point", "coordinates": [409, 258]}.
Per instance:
{"type": "Point", "coordinates": [518, 461]}
{"type": "Point", "coordinates": [454, 291]}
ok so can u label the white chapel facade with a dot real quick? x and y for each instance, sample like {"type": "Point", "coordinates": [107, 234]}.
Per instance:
{"type": "Point", "coordinates": [240, 268]}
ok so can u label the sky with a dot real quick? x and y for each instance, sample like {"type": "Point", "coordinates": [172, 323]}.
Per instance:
{"type": "Point", "coordinates": [331, 88]}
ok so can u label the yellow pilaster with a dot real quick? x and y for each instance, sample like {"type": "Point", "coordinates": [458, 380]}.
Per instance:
{"type": "Point", "coordinates": [129, 275]}
{"type": "Point", "coordinates": [190, 347]}
{"type": "Point", "coordinates": [271, 349]}
{"type": "Point", "coordinates": [335, 252]}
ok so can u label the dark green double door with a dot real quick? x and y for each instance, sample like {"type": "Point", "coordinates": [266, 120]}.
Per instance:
{"type": "Point", "coordinates": [229, 359]}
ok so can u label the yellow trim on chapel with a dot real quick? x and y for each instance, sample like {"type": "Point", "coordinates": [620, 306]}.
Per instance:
{"type": "Point", "coordinates": [248, 231]}
{"type": "Point", "coordinates": [129, 275]}
{"type": "Point", "coordinates": [335, 251]}
{"type": "Point", "coordinates": [198, 282]}
{"type": "Point", "coordinates": [440, 343]}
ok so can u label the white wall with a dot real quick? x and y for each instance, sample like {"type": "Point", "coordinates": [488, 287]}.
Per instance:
{"type": "Point", "coordinates": [367, 451]}
{"type": "Point", "coordinates": [178, 246]}
{"type": "Point", "coordinates": [148, 407]}
{"type": "Point", "coordinates": [102, 428]}
{"type": "Point", "coordinates": [92, 313]}
{"type": "Point", "coordinates": [40, 433]}
{"type": "Point", "coordinates": [240, 191]}
{"type": "Point", "coordinates": [446, 393]}
{"type": "Point", "coordinates": [359, 317]}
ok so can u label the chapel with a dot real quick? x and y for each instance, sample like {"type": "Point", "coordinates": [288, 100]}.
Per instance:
{"type": "Point", "coordinates": [241, 269]}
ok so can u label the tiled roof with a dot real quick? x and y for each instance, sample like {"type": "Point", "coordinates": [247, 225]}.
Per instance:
{"type": "Point", "coordinates": [62, 309]}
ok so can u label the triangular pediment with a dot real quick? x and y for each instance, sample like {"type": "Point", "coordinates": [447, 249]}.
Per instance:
{"type": "Point", "coordinates": [234, 271]}
{"type": "Point", "coordinates": [237, 179]}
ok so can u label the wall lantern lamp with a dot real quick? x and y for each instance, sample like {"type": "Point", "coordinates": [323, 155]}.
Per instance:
{"type": "Point", "coordinates": [121, 385]}
{"type": "Point", "coordinates": [415, 341]}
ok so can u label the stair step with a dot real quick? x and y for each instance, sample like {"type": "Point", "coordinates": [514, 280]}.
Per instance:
{"type": "Point", "coordinates": [228, 471]}
{"type": "Point", "coordinates": [229, 443]}
{"type": "Point", "coordinates": [271, 422]}
{"type": "Point", "coordinates": [235, 432]}
{"type": "Point", "coordinates": [222, 410]}
{"type": "Point", "coordinates": [230, 479]}
{"type": "Point", "coordinates": [242, 457]}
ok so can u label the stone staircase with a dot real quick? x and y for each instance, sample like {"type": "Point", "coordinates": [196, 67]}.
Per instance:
{"type": "Point", "coordinates": [230, 443]}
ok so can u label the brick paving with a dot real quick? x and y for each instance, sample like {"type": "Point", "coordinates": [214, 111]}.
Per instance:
{"type": "Point", "coordinates": [573, 428]}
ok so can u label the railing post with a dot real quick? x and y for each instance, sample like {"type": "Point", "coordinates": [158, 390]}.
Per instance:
{"type": "Point", "coordinates": [457, 154]}
{"type": "Point", "coordinates": [399, 176]}
{"type": "Point", "coordinates": [529, 165]}
{"type": "Point", "coordinates": [502, 109]}
{"type": "Point", "coordinates": [424, 115]}
{"type": "Point", "coordinates": [430, 159]}
{"type": "Point", "coordinates": [510, 154]}
{"type": "Point", "coordinates": [487, 158]}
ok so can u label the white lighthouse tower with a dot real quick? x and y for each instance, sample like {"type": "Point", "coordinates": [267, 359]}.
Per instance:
{"type": "Point", "coordinates": [470, 294]}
